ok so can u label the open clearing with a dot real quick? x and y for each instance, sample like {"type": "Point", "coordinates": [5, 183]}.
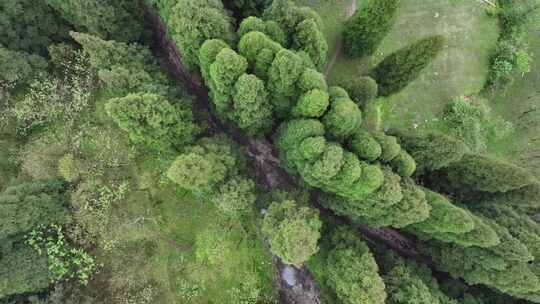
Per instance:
{"type": "Point", "coordinates": [461, 69]}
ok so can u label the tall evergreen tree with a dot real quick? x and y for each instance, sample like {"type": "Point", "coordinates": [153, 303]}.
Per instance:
{"type": "Point", "coordinates": [398, 69]}
{"type": "Point", "coordinates": [365, 30]}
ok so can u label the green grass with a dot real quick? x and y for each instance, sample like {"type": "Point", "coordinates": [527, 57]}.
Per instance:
{"type": "Point", "coordinates": [461, 69]}
{"type": "Point", "coordinates": [521, 96]}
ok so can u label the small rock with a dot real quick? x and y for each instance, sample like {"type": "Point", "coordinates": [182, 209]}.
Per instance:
{"type": "Point", "coordinates": [289, 275]}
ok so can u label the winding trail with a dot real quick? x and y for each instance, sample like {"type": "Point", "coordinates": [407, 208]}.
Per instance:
{"type": "Point", "coordinates": [348, 14]}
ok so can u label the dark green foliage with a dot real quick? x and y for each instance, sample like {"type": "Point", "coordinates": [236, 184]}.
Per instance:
{"type": "Point", "coordinates": [365, 145]}
{"type": "Point", "coordinates": [249, 7]}
{"type": "Point", "coordinates": [292, 231]}
{"type": "Point", "coordinates": [342, 119]}
{"type": "Point", "coordinates": [203, 167]}
{"type": "Point", "coordinates": [311, 104]}
{"type": "Point", "coordinates": [403, 164]}
{"type": "Point", "coordinates": [389, 146]}
{"type": "Point", "coordinates": [526, 198]}
{"type": "Point", "coordinates": [123, 68]}
{"type": "Point", "coordinates": [22, 270]}
{"type": "Point", "coordinates": [504, 267]}
{"type": "Point", "coordinates": [361, 89]}
{"type": "Point", "coordinates": [152, 121]}
{"type": "Point", "coordinates": [310, 39]}
{"type": "Point", "coordinates": [398, 69]}
{"type": "Point", "coordinates": [483, 173]}
{"type": "Point", "coordinates": [289, 16]}
{"type": "Point", "coordinates": [269, 28]}
{"type": "Point", "coordinates": [365, 30]}
{"type": "Point", "coordinates": [432, 151]}
{"type": "Point", "coordinates": [118, 20]}
{"type": "Point", "coordinates": [251, 111]}
{"type": "Point", "coordinates": [30, 26]}
{"type": "Point", "coordinates": [192, 22]}
{"type": "Point", "coordinates": [463, 120]}
{"type": "Point", "coordinates": [352, 272]}
{"type": "Point", "coordinates": [337, 92]}
{"type": "Point", "coordinates": [32, 204]}
{"type": "Point", "coordinates": [18, 68]}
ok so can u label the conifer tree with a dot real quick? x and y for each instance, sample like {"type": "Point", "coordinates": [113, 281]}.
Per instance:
{"type": "Point", "coordinates": [398, 69]}
{"type": "Point", "coordinates": [365, 30]}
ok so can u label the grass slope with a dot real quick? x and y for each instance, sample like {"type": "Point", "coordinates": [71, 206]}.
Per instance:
{"type": "Point", "coordinates": [461, 69]}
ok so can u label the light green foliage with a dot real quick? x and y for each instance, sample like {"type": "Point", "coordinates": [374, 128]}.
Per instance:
{"type": "Point", "coordinates": [202, 167]}
{"type": "Point", "coordinates": [31, 204]}
{"type": "Point", "coordinates": [252, 110]}
{"type": "Point", "coordinates": [64, 260]}
{"type": "Point", "coordinates": [311, 104]}
{"type": "Point", "coordinates": [310, 39]}
{"type": "Point", "coordinates": [114, 20]}
{"type": "Point", "coordinates": [67, 168]}
{"type": "Point", "coordinates": [21, 270]}
{"type": "Point", "coordinates": [362, 89]}
{"type": "Point", "coordinates": [398, 69]}
{"type": "Point", "coordinates": [17, 68]}
{"type": "Point", "coordinates": [365, 30]}
{"type": "Point", "coordinates": [235, 197]}
{"type": "Point", "coordinates": [283, 75]}
{"type": "Point", "coordinates": [432, 151]}
{"type": "Point", "coordinates": [352, 272]}
{"type": "Point", "coordinates": [224, 72]}
{"type": "Point", "coordinates": [310, 80]}
{"type": "Point", "coordinates": [364, 145]}
{"type": "Point", "coordinates": [30, 26]}
{"type": "Point", "coordinates": [444, 217]}
{"type": "Point", "coordinates": [208, 53]}
{"type": "Point", "coordinates": [389, 146]}
{"type": "Point", "coordinates": [152, 121]}
{"type": "Point", "coordinates": [337, 92]}
{"type": "Point", "coordinates": [269, 28]}
{"type": "Point", "coordinates": [343, 118]}
{"type": "Point", "coordinates": [292, 231]}
{"type": "Point", "coordinates": [191, 22]}
{"type": "Point", "coordinates": [483, 173]}
{"type": "Point", "coordinates": [403, 164]}
{"type": "Point", "coordinates": [259, 50]}
{"type": "Point", "coordinates": [123, 68]}
{"type": "Point", "coordinates": [526, 199]}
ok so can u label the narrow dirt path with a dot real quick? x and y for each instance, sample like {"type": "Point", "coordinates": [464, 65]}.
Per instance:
{"type": "Point", "coordinates": [348, 14]}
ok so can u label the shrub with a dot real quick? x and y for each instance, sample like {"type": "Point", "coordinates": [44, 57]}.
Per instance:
{"type": "Point", "coordinates": [352, 271]}
{"type": "Point", "coordinates": [19, 68]}
{"type": "Point", "coordinates": [31, 204]}
{"type": "Point", "coordinates": [235, 197]}
{"type": "Point", "coordinates": [22, 270]}
{"type": "Point", "coordinates": [365, 30]}
{"type": "Point", "coordinates": [283, 75]}
{"type": "Point", "coordinates": [389, 146]}
{"type": "Point", "coordinates": [67, 168]}
{"type": "Point", "coordinates": [152, 121]}
{"type": "Point", "coordinates": [398, 69]}
{"type": "Point", "coordinates": [482, 173]}
{"type": "Point", "coordinates": [269, 28]}
{"type": "Point", "coordinates": [224, 72]}
{"type": "Point", "coordinates": [292, 231]}
{"type": "Point", "coordinates": [208, 53]}
{"type": "Point", "coordinates": [311, 80]}
{"type": "Point", "coordinates": [311, 104]}
{"type": "Point", "coordinates": [361, 89]}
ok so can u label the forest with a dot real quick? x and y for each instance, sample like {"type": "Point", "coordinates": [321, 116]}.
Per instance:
{"type": "Point", "coordinates": [269, 151]}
